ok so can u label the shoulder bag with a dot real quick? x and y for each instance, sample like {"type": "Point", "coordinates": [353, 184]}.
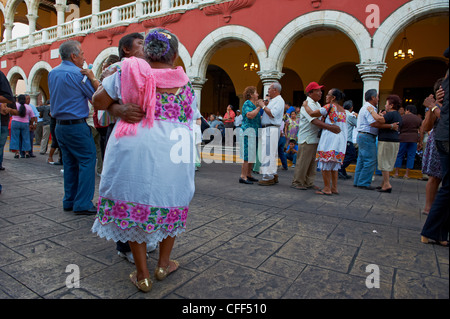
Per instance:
{"type": "Point", "coordinates": [319, 134]}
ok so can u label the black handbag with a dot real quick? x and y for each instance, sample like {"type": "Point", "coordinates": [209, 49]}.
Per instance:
{"type": "Point", "coordinates": [319, 134]}
{"type": "Point", "coordinates": [204, 124]}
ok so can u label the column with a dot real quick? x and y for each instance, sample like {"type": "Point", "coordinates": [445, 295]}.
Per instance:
{"type": "Point", "coordinates": [33, 97]}
{"type": "Point", "coordinates": [31, 26]}
{"type": "Point", "coordinates": [371, 74]}
{"type": "Point", "coordinates": [95, 10]}
{"type": "Point", "coordinates": [165, 5]}
{"type": "Point", "coordinates": [268, 77]}
{"type": "Point", "coordinates": [8, 33]}
{"type": "Point", "coordinates": [139, 9]}
{"type": "Point", "coordinates": [60, 17]}
{"type": "Point", "coordinates": [197, 83]}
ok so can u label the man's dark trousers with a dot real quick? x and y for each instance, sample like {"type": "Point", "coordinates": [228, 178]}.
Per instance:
{"type": "Point", "coordinates": [79, 158]}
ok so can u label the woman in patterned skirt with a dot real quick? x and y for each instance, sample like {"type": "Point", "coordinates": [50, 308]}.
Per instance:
{"type": "Point", "coordinates": [251, 122]}
{"type": "Point", "coordinates": [431, 164]}
{"type": "Point", "coordinates": [331, 149]}
{"type": "Point", "coordinates": [148, 173]}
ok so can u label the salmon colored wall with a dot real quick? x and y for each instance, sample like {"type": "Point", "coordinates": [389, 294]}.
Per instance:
{"type": "Point", "coordinates": [265, 17]}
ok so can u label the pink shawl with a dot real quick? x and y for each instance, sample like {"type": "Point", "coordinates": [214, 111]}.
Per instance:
{"type": "Point", "coordinates": [138, 85]}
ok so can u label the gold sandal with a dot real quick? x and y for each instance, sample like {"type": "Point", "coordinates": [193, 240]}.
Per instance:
{"type": "Point", "coordinates": [144, 285]}
{"type": "Point", "coordinates": [162, 272]}
{"type": "Point", "coordinates": [426, 240]}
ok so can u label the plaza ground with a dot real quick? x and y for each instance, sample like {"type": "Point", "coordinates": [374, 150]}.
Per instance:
{"type": "Point", "coordinates": [242, 242]}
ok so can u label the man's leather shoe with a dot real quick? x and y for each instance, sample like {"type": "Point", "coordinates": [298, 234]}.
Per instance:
{"type": "Point", "coordinates": [267, 182]}
{"type": "Point", "coordinates": [369, 188]}
{"type": "Point", "coordinates": [90, 211]}
{"type": "Point", "coordinates": [69, 209]}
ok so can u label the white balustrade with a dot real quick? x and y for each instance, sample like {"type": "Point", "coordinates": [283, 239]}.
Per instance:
{"type": "Point", "coordinates": [127, 13]}
{"type": "Point", "coordinates": [85, 23]}
{"type": "Point", "coordinates": [151, 6]}
{"type": "Point", "coordinates": [180, 3]}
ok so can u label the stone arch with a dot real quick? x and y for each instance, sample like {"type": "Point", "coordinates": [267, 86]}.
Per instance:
{"type": "Point", "coordinates": [341, 21]}
{"type": "Point", "coordinates": [2, 10]}
{"type": "Point", "coordinates": [404, 16]}
{"type": "Point", "coordinates": [102, 56]}
{"type": "Point", "coordinates": [184, 55]}
{"type": "Point", "coordinates": [212, 42]}
{"type": "Point", "coordinates": [12, 5]}
{"type": "Point", "coordinates": [35, 75]}
{"type": "Point", "coordinates": [13, 76]}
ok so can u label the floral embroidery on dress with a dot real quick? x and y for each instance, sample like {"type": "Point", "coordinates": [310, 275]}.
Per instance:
{"type": "Point", "coordinates": [335, 116]}
{"type": "Point", "coordinates": [175, 108]}
{"type": "Point", "coordinates": [330, 156]}
{"type": "Point", "coordinates": [127, 215]}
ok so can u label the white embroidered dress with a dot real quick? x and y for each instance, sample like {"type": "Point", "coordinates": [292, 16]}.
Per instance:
{"type": "Point", "coordinates": [147, 180]}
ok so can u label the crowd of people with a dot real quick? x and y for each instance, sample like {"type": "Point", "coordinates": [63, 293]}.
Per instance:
{"type": "Point", "coordinates": [120, 126]}
{"type": "Point", "coordinates": [329, 138]}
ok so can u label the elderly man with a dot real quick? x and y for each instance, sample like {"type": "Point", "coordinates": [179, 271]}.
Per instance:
{"type": "Point", "coordinates": [367, 149]}
{"type": "Point", "coordinates": [71, 87]}
{"type": "Point", "coordinates": [308, 140]}
{"type": "Point", "coordinates": [270, 122]}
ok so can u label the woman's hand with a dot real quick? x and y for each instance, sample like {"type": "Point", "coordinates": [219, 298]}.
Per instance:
{"type": "Point", "coordinates": [440, 95]}
{"type": "Point", "coordinates": [130, 113]}
{"type": "Point", "coordinates": [429, 102]}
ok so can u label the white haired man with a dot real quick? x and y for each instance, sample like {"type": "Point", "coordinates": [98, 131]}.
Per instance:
{"type": "Point", "coordinates": [270, 122]}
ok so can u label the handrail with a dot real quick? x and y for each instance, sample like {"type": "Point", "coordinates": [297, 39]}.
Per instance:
{"type": "Point", "coordinates": [128, 13]}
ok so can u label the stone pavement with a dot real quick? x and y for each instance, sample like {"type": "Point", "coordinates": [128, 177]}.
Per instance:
{"type": "Point", "coordinates": [243, 242]}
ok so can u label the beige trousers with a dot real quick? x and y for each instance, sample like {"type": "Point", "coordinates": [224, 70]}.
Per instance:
{"type": "Point", "coordinates": [305, 169]}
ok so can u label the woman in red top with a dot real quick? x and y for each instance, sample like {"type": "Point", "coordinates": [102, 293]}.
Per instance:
{"type": "Point", "coordinates": [228, 121]}
{"type": "Point", "coordinates": [228, 118]}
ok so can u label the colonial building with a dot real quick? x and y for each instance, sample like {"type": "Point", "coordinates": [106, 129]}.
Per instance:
{"type": "Point", "coordinates": [346, 44]}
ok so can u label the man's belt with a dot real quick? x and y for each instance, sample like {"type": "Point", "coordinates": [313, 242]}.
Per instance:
{"type": "Point", "coordinates": [269, 125]}
{"type": "Point", "coordinates": [368, 133]}
{"type": "Point", "coordinates": [70, 122]}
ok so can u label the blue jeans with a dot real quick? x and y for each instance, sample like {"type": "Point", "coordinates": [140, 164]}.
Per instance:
{"type": "Point", "coordinates": [437, 224]}
{"type": "Point", "coordinates": [20, 136]}
{"type": "Point", "coordinates": [292, 157]}
{"type": "Point", "coordinates": [22, 152]}
{"type": "Point", "coordinates": [79, 157]}
{"type": "Point", "coordinates": [409, 149]}
{"type": "Point", "coordinates": [367, 159]}
{"type": "Point", "coordinates": [281, 143]}
{"type": "Point", "coordinates": [3, 137]}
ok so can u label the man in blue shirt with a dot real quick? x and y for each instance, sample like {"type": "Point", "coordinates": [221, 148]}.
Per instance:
{"type": "Point", "coordinates": [367, 135]}
{"type": "Point", "coordinates": [71, 87]}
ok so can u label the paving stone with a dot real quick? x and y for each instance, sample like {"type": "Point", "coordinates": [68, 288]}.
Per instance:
{"type": "Point", "coordinates": [227, 280]}
{"type": "Point", "coordinates": [311, 251]}
{"type": "Point", "coordinates": [241, 242]}
{"type": "Point", "coordinates": [318, 283]}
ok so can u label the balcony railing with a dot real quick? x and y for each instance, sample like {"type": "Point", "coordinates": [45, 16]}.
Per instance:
{"type": "Point", "coordinates": [126, 14]}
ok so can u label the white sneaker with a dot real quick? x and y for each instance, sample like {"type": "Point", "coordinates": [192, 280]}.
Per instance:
{"type": "Point", "coordinates": [128, 256]}
{"type": "Point", "coordinates": [293, 166]}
